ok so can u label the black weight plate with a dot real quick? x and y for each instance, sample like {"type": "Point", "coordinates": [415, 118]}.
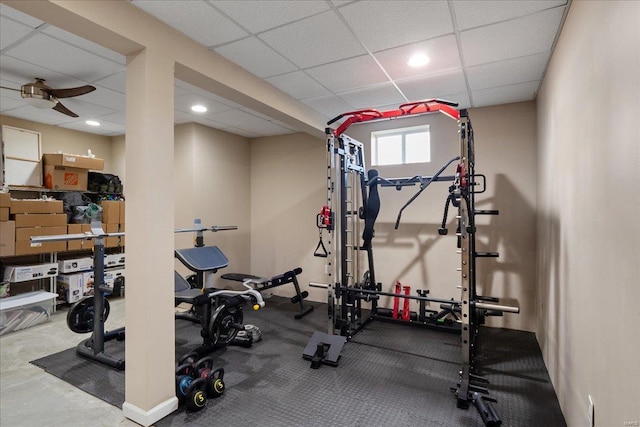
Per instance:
{"type": "Point", "coordinates": [219, 330]}
{"type": "Point", "coordinates": [81, 315]}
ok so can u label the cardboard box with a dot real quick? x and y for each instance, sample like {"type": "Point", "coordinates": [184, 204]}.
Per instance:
{"type": "Point", "coordinates": [4, 214]}
{"type": "Point", "coordinates": [25, 234]}
{"type": "Point", "coordinates": [122, 212]}
{"type": "Point", "coordinates": [79, 245]}
{"type": "Point", "coordinates": [110, 211]}
{"type": "Point", "coordinates": [22, 273]}
{"type": "Point", "coordinates": [122, 237]}
{"type": "Point", "coordinates": [74, 161]}
{"type": "Point", "coordinates": [40, 220]}
{"type": "Point", "coordinates": [110, 277]}
{"type": "Point", "coordinates": [35, 206]}
{"type": "Point", "coordinates": [114, 260]}
{"type": "Point", "coordinates": [111, 242]}
{"type": "Point", "coordinates": [27, 248]}
{"type": "Point", "coordinates": [25, 310]}
{"type": "Point", "coordinates": [65, 178]}
{"type": "Point", "coordinates": [7, 238]}
{"type": "Point", "coordinates": [5, 200]}
{"type": "Point", "coordinates": [74, 265]}
{"type": "Point", "coordinates": [71, 287]}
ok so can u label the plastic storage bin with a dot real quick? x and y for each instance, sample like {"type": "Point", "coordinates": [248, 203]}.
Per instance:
{"type": "Point", "coordinates": [25, 310]}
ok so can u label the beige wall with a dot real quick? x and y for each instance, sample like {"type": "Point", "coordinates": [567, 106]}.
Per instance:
{"type": "Point", "coordinates": [288, 175]}
{"type": "Point", "coordinates": [588, 200]}
{"type": "Point", "coordinates": [55, 138]}
{"type": "Point", "coordinates": [417, 256]}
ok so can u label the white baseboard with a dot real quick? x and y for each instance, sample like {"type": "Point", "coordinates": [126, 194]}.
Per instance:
{"type": "Point", "coordinates": [147, 418]}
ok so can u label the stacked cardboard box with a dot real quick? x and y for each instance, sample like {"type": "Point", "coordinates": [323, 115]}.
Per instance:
{"type": "Point", "coordinates": [113, 221]}
{"type": "Point", "coordinates": [69, 171]}
{"type": "Point", "coordinates": [37, 218]}
{"type": "Point", "coordinates": [7, 228]}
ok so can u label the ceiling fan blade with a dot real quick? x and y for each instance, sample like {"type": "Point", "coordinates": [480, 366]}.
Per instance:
{"type": "Point", "coordinates": [9, 88]}
{"type": "Point", "coordinates": [64, 110]}
{"type": "Point", "coordinates": [70, 92]}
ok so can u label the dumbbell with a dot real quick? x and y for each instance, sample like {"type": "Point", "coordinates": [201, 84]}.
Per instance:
{"type": "Point", "coordinates": [215, 384]}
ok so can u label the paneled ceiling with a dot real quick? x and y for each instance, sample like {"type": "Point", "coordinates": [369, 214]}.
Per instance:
{"type": "Point", "coordinates": [332, 55]}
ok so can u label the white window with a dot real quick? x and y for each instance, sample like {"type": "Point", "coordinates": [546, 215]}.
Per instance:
{"type": "Point", "coordinates": [401, 146]}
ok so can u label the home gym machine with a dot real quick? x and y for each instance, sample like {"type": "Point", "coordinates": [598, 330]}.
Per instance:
{"type": "Point", "coordinates": [353, 203]}
{"type": "Point", "coordinates": [91, 313]}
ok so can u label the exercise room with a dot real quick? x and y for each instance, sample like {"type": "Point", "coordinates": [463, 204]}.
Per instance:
{"type": "Point", "coordinates": [319, 213]}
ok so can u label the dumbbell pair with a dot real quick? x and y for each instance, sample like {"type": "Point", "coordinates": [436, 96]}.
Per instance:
{"type": "Point", "coordinates": [197, 381]}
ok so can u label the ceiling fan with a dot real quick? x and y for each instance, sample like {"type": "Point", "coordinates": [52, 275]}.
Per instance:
{"type": "Point", "coordinates": [39, 94]}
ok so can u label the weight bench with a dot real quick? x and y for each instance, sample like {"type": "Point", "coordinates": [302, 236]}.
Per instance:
{"type": "Point", "coordinates": [262, 284]}
{"type": "Point", "coordinates": [218, 311]}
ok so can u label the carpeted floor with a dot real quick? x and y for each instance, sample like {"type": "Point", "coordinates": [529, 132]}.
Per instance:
{"type": "Point", "coordinates": [388, 375]}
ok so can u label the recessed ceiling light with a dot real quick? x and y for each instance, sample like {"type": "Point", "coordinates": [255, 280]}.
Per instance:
{"type": "Point", "coordinates": [418, 60]}
{"type": "Point", "coordinates": [92, 123]}
{"type": "Point", "coordinates": [199, 109]}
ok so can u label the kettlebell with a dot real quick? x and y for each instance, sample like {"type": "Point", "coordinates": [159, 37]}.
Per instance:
{"type": "Point", "coordinates": [189, 358]}
{"type": "Point", "coordinates": [196, 398]}
{"type": "Point", "coordinates": [203, 367]}
{"type": "Point", "coordinates": [184, 378]}
{"type": "Point", "coordinates": [215, 383]}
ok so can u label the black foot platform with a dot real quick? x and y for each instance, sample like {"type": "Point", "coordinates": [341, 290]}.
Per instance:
{"type": "Point", "coordinates": [324, 349]}
{"type": "Point", "coordinates": [262, 284]}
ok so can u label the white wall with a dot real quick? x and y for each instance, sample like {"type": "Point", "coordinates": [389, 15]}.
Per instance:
{"type": "Point", "coordinates": [588, 201]}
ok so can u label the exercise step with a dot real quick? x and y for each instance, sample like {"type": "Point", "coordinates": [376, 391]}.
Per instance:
{"type": "Point", "coordinates": [488, 212]}
{"type": "Point", "coordinates": [487, 254]}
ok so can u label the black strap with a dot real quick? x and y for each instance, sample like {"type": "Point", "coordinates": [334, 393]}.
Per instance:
{"type": "Point", "coordinates": [319, 248]}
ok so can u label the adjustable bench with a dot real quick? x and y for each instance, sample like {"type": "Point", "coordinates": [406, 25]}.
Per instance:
{"type": "Point", "coordinates": [262, 284]}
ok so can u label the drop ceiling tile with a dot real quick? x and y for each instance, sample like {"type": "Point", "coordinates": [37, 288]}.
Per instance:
{"type": "Point", "coordinates": [373, 96]}
{"type": "Point", "coordinates": [258, 16]}
{"type": "Point", "coordinates": [512, 71]}
{"type": "Point", "coordinates": [7, 103]}
{"type": "Point", "coordinates": [386, 24]}
{"type": "Point", "coordinates": [433, 86]}
{"type": "Point", "coordinates": [263, 127]}
{"type": "Point", "coordinates": [63, 58]}
{"type": "Point", "coordinates": [313, 41]}
{"type": "Point", "coordinates": [84, 109]}
{"type": "Point", "coordinates": [240, 132]}
{"type": "Point", "coordinates": [236, 118]}
{"type": "Point", "coordinates": [330, 106]}
{"type": "Point", "coordinates": [298, 85]}
{"type": "Point", "coordinates": [189, 88]}
{"type": "Point", "coordinates": [512, 39]}
{"type": "Point", "coordinates": [85, 44]}
{"type": "Point", "coordinates": [116, 82]}
{"type": "Point", "coordinates": [256, 57]}
{"type": "Point", "coordinates": [105, 128]}
{"type": "Point", "coordinates": [196, 19]}
{"type": "Point", "coordinates": [442, 52]}
{"type": "Point", "coordinates": [119, 118]}
{"type": "Point", "coordinates": [11, 32]}
{"type": "Point", "coordinates": [471, 14]}
{"type": "Point", "coordinates": [47, 116]}
{"type": "Point", "coordinates": [505, 95]}
{"type": "Point", "coordinates": [19, 16]}
{"type": "Point", "coordinates": [284, 125]}
{"type": "Point", "coordinates": [105, 98]}
{"type": "Point", "coordinates": [348, 74]}
{"type": "Point", "coordinates": [461, 98]}
{"type": "Point", "coordinates": [184, 103]}
{"type": "Point", "coordinates": [180, 117]}
{"type": "Point", "coordinates": [20, 72]}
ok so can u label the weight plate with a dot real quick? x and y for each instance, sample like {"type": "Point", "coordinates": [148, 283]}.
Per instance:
{"type": "Point", "coordinates": [220, 330]}
{"type": "Point", "coordinates": [81, 315]}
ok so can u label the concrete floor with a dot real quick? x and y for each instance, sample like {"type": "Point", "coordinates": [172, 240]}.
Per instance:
{"type": "Point", "coordinates": [31, 397]}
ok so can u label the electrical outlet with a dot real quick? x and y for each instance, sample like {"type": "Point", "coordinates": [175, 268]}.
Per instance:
{"type": "Point", "coordinates": [591, 413]}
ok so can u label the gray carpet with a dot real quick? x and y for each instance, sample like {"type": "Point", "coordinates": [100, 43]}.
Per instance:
{"type": "Point", "coordinates": [388, 375]}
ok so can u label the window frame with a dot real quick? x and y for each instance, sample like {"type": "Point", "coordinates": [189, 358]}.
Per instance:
{"type": "Point", "coordinates": [403, 132]}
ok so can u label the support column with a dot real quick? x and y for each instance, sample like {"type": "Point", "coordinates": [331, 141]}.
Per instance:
{"type": "Point", "coordinates": [149, 312]}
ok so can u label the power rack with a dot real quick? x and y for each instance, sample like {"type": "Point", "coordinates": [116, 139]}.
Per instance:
{"type": "Point", "coordinates": [353, 203]}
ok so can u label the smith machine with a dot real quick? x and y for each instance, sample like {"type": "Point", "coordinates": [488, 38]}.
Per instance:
{"type": "Point", "coordinates": [352, 207]}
